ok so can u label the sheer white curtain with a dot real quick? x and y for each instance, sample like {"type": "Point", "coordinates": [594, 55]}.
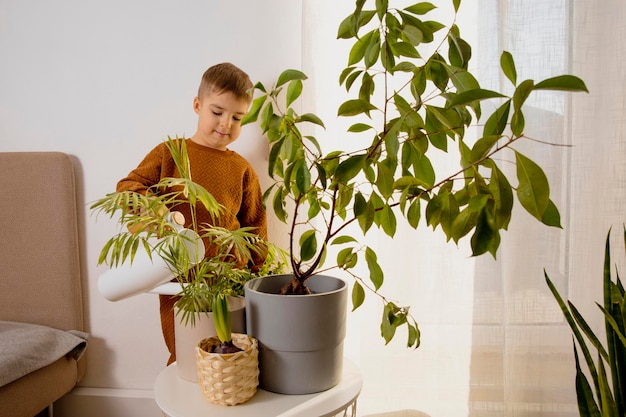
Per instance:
{"type": "Point", "coordinates": [493, 340]}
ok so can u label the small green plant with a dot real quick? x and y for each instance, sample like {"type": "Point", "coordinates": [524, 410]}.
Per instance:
{"type": "Point", "coordinates": [412, 97]}
{"type": "Point", "coordinates": [221, 318]}
{"type": "Point", "coordinates": [607, 396]}
{"type": "Point", "coordinates": [146, 224]}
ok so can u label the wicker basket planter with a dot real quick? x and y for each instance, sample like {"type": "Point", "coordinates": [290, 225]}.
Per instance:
{"type": "Point", "coordinates": [228, 379]}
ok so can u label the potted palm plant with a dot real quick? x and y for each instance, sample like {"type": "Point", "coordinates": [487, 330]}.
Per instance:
{"type": "Point", "coordinates": [150, 233]}
{"type": "Point", "coordinates": [607, 395]}
{"type": "Point", "coordinates": [412, 96]}
{"type": "Point", "coordinates": [228, 365]}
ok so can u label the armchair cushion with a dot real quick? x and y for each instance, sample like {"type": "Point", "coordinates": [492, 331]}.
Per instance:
{"type": "Point", "coordinates": [25, 348]}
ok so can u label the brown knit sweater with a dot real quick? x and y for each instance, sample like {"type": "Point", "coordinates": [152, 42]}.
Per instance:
{"type": "Point", "coordinates": [225, 174]}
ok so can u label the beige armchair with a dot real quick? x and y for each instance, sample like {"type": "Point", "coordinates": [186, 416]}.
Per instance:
{"type": "Point", "coordinates": [40, 277]}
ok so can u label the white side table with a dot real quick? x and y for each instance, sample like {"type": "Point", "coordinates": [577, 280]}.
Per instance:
{"type": "Point", "coordinates": [180, 398]}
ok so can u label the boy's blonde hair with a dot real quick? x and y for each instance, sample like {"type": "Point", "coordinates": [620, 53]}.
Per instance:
{"type": "Point", "coordinates": [226, 77]}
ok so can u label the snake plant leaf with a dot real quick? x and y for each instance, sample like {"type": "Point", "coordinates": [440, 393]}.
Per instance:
{"type": "Point", "coordinates": [575, 330]}
{"type": "Point", "coordinates": [358, 295]}
{"type": "Point", "coordinates": [586, 402]}
{"type": "Point", "coordinates": [533, 190]}
{"type": "Point", "coordinates": [508, 67]}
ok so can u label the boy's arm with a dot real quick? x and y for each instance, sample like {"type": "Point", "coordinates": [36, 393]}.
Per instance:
{"type": "Point", "coordinates": [252, 213]}
{"type": "Point", "coordinates": [147, 173]}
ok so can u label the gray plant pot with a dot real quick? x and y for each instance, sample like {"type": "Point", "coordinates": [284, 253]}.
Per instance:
{"type": "Point", "coordinates": [300, 336]}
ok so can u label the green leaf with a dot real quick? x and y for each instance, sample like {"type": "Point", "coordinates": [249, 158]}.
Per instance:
{"type": "Point", "coordinates": [294, 89]}
{"type": "Point", "coordinates": [471, 96]}
{"type": "Point", "coordinates": [358, 50]}
{"type": "Point", "coordinates": [420, 8]}
{"type": "Point", "coordinates": [303, 177]}
{"type": "Point", "coordinates": [354, 107]}
{"type": "Point", "coordinates": [346, 258]}
{"type": "Point", "coordinates": [518, 123]}
{"type": "Point", "coordinates": [482, 147]}
{"type": "Point", "coordinates": [349, 168]}
{"type": "Point", "coordinates": [255, 109]}
{"type": "Point", "coordinates": [414, 213]}
{"type": "Point", "coordinates": [376, 272]}
{"type": "Point", "coordinates": [347, 28]}
{"type": "Point", "coordinates": [358, 295]}
{"type": "Point", "coordinates": [486, 237]}
{"type": "Point", "coordinates": [308, 245]}
{"type": "Point", "coordinates": [290, 75]}
{"type": "Point", "coordinates": [562, 82]}
{"type": "Point", "coordinates": [359, 127]}
{"type": "Point", "coordinates": [533, 190]}
{"type": "Point", "coordinates": [343, 239]}
{"type": "Point", "coordinates": [508, 67]}
{"type": "Point", "coordinates": [384, 180]}
{"type": "Point", "coordinates": [496, 123]}
{"type": "Point", "coordinates": [551, 217]}
{"type": "Point", "coordinates": [388, 221]}
{"type": "Point", "coordinates": [502, 193]}
{"type": "Point", "coordinates": [312, 118]}
{"type": "Point", "coordinates": [584, 395]}
{"type": "Point", "coordinates": [278, 205]}
{"type": "Point", "coordinates": [521, 93]}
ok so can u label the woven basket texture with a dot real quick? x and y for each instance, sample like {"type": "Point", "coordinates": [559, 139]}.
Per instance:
{"type": "Point", "coordinates": [229, 379]}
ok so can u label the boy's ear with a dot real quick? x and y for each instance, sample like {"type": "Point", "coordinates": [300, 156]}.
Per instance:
{"type": "Point", "coordinates": [196, 105]}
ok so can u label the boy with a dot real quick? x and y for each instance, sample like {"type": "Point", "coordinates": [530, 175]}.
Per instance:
{"type": "Point", "coordinates": [224, 97]}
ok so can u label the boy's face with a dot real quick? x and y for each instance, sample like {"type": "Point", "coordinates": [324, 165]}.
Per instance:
{"type": "Point", "coordinates": [219, 119]}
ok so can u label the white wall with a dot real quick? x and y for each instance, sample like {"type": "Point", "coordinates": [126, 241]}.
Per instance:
{"type": "Point", "coordinates": [105, 81]}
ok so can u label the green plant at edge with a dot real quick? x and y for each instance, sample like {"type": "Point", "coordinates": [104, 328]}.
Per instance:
{"type": "Point", "coordinates": [410, 100]}
{"type": "Point", "coordinates": [607, 397]}
{"type": "Point", "coordinates": [225, 271]}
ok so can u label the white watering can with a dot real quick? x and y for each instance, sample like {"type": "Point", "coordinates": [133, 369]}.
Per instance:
{"type": "Point", "coordinates": [145, 274]}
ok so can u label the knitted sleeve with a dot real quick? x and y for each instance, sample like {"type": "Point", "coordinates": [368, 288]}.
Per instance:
{"type": "Point", "coordinates": [147, 173]}
{"type": "Point", "coordinates": [252, 212]}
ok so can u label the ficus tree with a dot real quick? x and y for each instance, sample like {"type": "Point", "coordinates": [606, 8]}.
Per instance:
{"type": "Point", "coordinates": [411, 94]}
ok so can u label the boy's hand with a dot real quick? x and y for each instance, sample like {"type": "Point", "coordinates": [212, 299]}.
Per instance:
{"type": "Point", "coordinates": [175, 218]}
